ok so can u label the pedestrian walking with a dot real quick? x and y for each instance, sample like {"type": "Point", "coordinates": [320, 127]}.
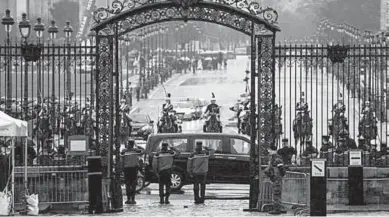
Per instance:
{"type": "Point", "coordinates": [276, 171]}
{"type": "Point", "coordinates": [137, 93]}
{"type": "Point", "coordinates": [162, 166]}
{"type": "Point", "coordinates": [197, 169]}
{"type": "Point", "coordinates": [130, 158]}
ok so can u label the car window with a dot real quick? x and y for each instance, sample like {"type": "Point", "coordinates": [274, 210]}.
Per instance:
{"type": "Point", "coordinates": [180, 144]}
{"type": "Point", "coordinates": [215, 144]}
{"type": "Point", "coordinates": [239, 146]}
{"type": "Point", "coordinates": [139, 118]}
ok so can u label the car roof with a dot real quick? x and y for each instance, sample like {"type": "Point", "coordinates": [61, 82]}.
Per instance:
{"type": "Point", "coordinates": [151, 140]}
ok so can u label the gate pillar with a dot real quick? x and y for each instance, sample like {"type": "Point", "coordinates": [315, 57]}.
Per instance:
{"type": "Point", "coordinates": [266, 102]}
{"type": "Point", "coordinates": [111, 191]}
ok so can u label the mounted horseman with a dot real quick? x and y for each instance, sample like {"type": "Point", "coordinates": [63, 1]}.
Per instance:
{"type": "Point", "coordinates": [212, 112]}
{"type": "Point", "coordinates": [167, 122]}
{"type": "Point", "coordinates": [368, 124]}
{"type": "Point", "coordinates": [302, 124]}
{"type": "Point", "coordinates": [88, 122]}
{"type": "Point", "coordinates": [339, 121]}
{"type": "Point", "coordinates": [125, 122]}
{"type": "Point", "coordinates": [42, 127]}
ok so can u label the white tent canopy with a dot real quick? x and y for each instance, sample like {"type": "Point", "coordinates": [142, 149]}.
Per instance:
{"type": "Point", "coordinates": [10, 126]}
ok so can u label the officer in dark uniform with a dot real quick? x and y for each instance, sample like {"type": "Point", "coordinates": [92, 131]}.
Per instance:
{"type": "Point", "coordinates": [197, 169]}
{"type": "Point", "coordinates": [130, 158]}
{"type": "Point", "coordinates": [276, 171]}
{"type": "Point", "coordinates": [286, 152]}
{"type": "Point", "coordinates": [162, 166]}
{"type": "Point", "coordinates": [309, 153]}
{"type": "Point", "coordinates": [326, 150]}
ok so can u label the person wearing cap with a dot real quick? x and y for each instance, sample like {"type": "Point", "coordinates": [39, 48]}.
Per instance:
{"type": "Point", "coordinates": [212, 108]}
{"type": "Point", "coordinates": [275, 172]}
{"type": "Point", "coordinates": [309, 153]}
{"type": "Point", "coordinates": [286, 152]}
{"type": "Point", "coordinates": [197, 169]}
{"type": "Point", "coordinates": [341, 152]}
{"type": "Point", "coordinates": [162, 166]}
{"type": "Point", "coordinates": [130, 160]}
{"type": "Point", "coordinates": [326, 150]}
{"type": "Point", "coordinates": [349, 142]}
{"type": "Point", "coordinates": [167, 109]}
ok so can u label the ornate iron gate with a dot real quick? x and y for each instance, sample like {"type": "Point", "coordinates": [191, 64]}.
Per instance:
{"type": "Point", "coordinates": [124, 17]}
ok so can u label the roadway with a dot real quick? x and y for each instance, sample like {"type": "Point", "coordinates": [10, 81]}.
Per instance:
{"type": "Point", "coordinates": [321, 90]}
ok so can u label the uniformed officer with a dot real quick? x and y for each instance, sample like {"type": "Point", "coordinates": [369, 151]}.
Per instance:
{"type": "Point", "coordinates": [276, 171]}
{"type": "Point", "coordinates": [130, 158]}
{"type": "Point", "coordinates": [197, 169]}
{"type": "Point", "coordinates": [309, 153]}
{"type": "Point", "coordinates": [162, 166]}
{"type": "Point", "coordinates": [326, 150]}
{"type": "Point", "coordinates": [286, 152]}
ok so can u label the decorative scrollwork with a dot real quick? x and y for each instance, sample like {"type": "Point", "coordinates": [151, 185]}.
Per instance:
{"type": "Point", "coordinates": [196, 13]}
{"type": "Point", "coordinates": [254, 8]}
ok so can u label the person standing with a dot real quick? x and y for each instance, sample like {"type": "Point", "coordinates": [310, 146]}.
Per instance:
{"type": "Point", "coordinates": [286, 152]}
{"type": "Point", "coordinates": [276, 171]}
{"type": "Point", "coordinates": [197, 169]}
{"type": "Point", "coordinates": [130, 158]}
{"type": "Point", "coordinates": [162, 166]}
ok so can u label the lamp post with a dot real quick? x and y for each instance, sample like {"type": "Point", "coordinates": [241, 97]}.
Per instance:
{"type": "Point", "coordinates": [53, 30]}
{"type": "Point", "coordinates": [92, 35]}
{"type": "Point", "coordinates": [8, 22]}
{"type": "Point", "coordinates": [68, 30]}
{"type": "Point", "coordinates": [39, 28]}
{"type": "Point", "coordinates": [25, 29]}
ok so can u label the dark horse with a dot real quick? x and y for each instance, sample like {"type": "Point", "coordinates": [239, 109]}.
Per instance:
{"type": "Point", "coordinates": [368, 127]}
{"type": "Point", "coordinates": [277, 123]}
{"type": "Point", "coordinates": [42, 130]}
{"type": "Point", "coordinates": [302, 128]}
{"type": "Point", "coordinates": [88, 128]}
{"type": "Point", "coordinates": [337, 124]}
{"type": "Point", "coordinates": [166, 124]}
{"type": "Point", "coordinates": [213, 125]}
{"type": "Point", "coordinates": [125, 127]}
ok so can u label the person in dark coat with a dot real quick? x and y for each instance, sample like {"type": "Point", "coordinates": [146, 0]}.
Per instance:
{"type": "Point", "coordinates": [286, 152]}
{"type": "Point", "coordinates": [326, 150]}
{"type": "Point", "coordinates": [197, 169]}
{"type": "Point", "coordinates": [309, 153]}
{"type": "Point", "coordinates": [276, 171]}
{"type": "Point", "coordinates": [162, 165]}
{"type": "Point", "coordinates": [130, 158]}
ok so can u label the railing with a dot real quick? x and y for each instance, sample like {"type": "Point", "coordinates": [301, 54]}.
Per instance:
{"type": "Point", "coordinates": [53, 184]}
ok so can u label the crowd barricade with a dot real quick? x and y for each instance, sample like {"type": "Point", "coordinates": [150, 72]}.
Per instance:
{"type": "Point", "coordinates": [295, 191]}
{"type": "Point", "coordinates": [53, 184]}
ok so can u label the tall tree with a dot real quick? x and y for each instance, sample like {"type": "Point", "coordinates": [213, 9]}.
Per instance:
{"type": "Point", "coordinates": [66, 10]}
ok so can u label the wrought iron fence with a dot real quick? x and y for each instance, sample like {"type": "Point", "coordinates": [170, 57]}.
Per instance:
{"type": "Point", "coordinates": [308, 71]}
{"type": "Point", "coordinates": [50, 86]}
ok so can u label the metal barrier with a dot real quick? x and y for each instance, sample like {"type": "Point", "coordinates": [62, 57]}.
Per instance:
{"type": "Point", "coordinates": [295, 191]}
{"type": "Point", "coordinates": [53, 184]}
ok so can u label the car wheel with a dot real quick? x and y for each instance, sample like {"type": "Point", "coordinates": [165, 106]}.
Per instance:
{"type": "Point", "coordinates": [140, 183]}
{"type": "Point", "coordinates": [177, 180]}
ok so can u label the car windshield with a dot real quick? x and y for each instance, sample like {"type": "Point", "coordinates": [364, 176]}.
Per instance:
{"type": "Point", "coordinates": [138, 118]}
{"type": "Point", "coordinates": [183, 105]}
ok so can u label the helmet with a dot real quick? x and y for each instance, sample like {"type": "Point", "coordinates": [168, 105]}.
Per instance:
{"type": "Point", "coordinates": [213, 98]}
{"type": "Point", "coordinates": [168, 97]}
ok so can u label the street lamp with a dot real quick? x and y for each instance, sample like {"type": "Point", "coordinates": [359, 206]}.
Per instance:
{"type": "Point", "coordinates": [39, 28]}
{"type": "Point", "coordinates": [92, 35]}
{"type": "Point", "coordinates": [8, 22]}
{"type": "Point", "coordinates": [53, 30]}
{"type": "Point", "coordinates": [68, 30]}
{"type": "Point", "coordinates": [24, 28]}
